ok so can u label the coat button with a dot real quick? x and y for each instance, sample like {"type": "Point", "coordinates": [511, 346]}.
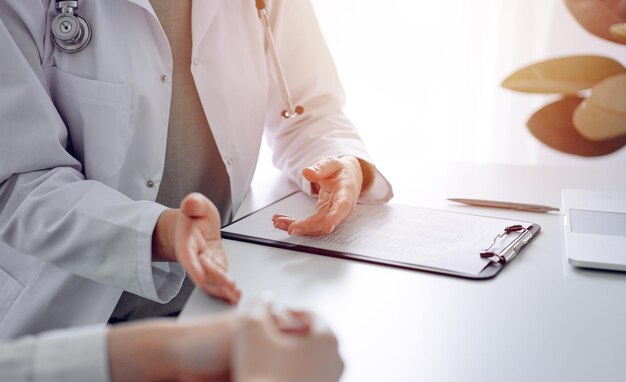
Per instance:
{"type": "Point", "coordinates": [164, 79]}
{"type": "Point", "coordinates": [196, 61]}
{"type": "Point", "coordinates": [150, 184]}
{"type": "Point", "coordinates": [229, 161]}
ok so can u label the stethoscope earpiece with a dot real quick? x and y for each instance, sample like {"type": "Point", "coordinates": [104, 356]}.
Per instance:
{"type": "Point", "coordinates": [286, 114]}
{"type": "Point", "coordinates": [70, 32]}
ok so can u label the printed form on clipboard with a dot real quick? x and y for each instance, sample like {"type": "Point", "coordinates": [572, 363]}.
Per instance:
{"type": "Point", "coordinates": [456, 244]}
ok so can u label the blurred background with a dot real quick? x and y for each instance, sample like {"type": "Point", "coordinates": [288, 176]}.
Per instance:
{"type": "Point", "coordinates": [423, 77]}
{"type": "Point", "coordinates": [422, 80]}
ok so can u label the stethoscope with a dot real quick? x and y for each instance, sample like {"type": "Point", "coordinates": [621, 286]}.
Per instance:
{"type": "Point", "coordinates": [72, 33]}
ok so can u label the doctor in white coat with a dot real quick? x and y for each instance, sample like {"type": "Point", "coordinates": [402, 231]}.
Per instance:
{"type": "Point", "coordinates": [83, 141]}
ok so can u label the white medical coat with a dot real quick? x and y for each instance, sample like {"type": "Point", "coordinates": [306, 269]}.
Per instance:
{"type": "Point", "coordinates": [83, 137]}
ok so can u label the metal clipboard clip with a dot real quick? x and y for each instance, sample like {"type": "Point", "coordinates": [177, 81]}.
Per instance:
{"type": "Point", "coordinates": [512, 248]}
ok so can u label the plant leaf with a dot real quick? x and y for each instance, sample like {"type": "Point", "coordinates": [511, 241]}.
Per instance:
{"type": "Point", "coordinates": [603, 114]}
{"type": "Point", "coordinates": [553, 126]}
{"type": "Point", "coordinates": [597, 16]}
{"type": "Point", "coordinates": [564, 75]}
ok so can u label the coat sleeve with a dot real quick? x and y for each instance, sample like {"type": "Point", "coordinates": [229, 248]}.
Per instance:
{"type": "Point", "coordinates": [47, 208]}
{"type": "Point", "coordinates": [323, 129]}
{"type": "Point", "coordinates": [72, 355]}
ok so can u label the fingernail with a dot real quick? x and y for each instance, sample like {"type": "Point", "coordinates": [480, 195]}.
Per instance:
{"type": "Point", "coordinates": [280, 225]}
{"type": "Point", "coordinates": [296, 231]}
{"type": "Point", "coordinates": [292, 322]}
{"type": "Point", "coordinates": [231, 296]}
{"type": "Point", "coordinates": [332, 228]}
{"type": "Point", "coordinates": [314, 168]}
{"type": "Point", "coordinates": [289, 322]}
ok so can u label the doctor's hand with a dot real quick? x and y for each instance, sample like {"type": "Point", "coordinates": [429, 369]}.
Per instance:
{"type": "Point", "coordinates": [191, 236]}
{"type": "Point", "coordinates": [339, 183]}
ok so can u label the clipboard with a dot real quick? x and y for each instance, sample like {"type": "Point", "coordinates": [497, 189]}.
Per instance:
{"type": "Point", "coordinates": [496, 251]}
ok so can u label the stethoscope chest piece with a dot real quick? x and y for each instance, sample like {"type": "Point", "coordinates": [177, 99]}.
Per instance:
{"type": "Point", "coordinates": [70, 32]}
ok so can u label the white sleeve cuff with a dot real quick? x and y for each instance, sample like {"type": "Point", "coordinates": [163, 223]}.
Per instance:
{"type": "Point", "coordinates": [72, 355]}
{"type": "Point", "coordinates": [161, 281]}
{"type": "Point", "coordinates": [306, 187]}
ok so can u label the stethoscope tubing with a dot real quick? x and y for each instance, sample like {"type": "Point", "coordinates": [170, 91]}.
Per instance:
{"type": "Point", "coordinates": [278, 68]}
{"type": "Point", "coordinates": [77, 40]}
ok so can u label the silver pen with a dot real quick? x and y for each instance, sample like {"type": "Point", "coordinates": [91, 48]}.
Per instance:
{"type": "Point", "coordinates": [507, 205]}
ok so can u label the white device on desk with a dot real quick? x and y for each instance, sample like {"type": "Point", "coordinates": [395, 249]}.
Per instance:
{"type": "Point", "coordinates": [595, 228]}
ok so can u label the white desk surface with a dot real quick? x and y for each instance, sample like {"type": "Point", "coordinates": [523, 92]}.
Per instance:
{"type": "Point", "coordinates": [539, 320]}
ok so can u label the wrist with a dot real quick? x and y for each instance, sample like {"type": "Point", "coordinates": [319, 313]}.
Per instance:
{"type": "Point", "coordinates": [163, 237]}
{"type": "Point", "coordinates": [368, 175]}
{"type": "Point", "coordinates": [205, 348]}
{"type": "Point", "coordinates": [141, 352]}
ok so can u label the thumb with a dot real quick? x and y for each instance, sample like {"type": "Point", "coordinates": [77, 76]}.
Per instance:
{"type": "Point", "coordinates": [322, 169]}
{"type": "Point", "coordinates": [196, 205]}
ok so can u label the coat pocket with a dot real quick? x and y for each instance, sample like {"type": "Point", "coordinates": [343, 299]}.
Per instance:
{"type": "Point", "coordinates": [97, 117]}
{"type": "Point", "coordinates": [11, 289]}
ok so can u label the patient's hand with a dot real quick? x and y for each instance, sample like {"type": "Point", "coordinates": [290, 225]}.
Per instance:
{"type": "Point", "coordinates": [259, 345]}
{"type": "Point", "coordinates": [263, 350]}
